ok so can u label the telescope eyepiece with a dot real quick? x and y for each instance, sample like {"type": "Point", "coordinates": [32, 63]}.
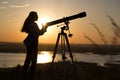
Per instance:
{"type": "Point", "coordinates": [83, 14]}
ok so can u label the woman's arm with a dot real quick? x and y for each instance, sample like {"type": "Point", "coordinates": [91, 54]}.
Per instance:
{"type": "Point", "coordinates": [40, 32]}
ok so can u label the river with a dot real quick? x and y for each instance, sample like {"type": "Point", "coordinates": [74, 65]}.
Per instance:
{"type": "Point", "coordinates": [13, 59]}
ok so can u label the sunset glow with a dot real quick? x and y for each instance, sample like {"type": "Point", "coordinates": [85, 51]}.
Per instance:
{"type": "Point", "coordinates": [42, 21]}
{"type": "Point", "coordinates": [13, 14]}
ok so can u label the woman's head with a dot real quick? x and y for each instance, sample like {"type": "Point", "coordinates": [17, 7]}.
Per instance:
{"type": "Point", "coordinates": [33, 16]}
{"type": "Point", "coordinates": [30, 19]}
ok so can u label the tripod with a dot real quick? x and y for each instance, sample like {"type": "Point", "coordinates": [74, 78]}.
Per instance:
{"type": "Point", "coordinates": [64, 40]}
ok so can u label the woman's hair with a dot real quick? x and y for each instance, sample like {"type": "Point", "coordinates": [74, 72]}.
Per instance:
{"type": "Point", "coordinates": [31, 18]}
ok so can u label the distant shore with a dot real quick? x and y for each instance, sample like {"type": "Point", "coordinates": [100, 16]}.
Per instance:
{"type": "Point", "coordinates": [10, 47]}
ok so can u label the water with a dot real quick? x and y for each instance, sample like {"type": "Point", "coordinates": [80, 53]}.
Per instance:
{"type": "Point", "coordinates": [13, 59]}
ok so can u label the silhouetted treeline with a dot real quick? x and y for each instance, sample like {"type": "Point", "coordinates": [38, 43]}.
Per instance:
{"type": "Point", "coordinates": [20, 48]}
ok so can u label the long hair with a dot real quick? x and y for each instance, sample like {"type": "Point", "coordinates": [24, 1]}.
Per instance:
{"type": "Point", "coordinates": [31, 18]}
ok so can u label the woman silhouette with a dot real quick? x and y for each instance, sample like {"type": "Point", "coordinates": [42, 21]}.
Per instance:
{"type": "Point", "coordinates": [31, 42]}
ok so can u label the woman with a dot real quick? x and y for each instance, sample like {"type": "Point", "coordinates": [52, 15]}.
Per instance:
{"type": "Point", "coordinates": [31, 42]}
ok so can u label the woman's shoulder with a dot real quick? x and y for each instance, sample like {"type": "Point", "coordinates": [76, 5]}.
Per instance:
{"type": "Point", "coordinates": [32, 24]}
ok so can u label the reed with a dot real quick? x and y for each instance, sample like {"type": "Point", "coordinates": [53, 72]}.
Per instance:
{"type": "Point", "coordinates": [102, 37]}
{"type": "Point", "coordinates": [116, 31]}
{"type": "Point", "coordinates": [114, 40]}
{"type": "Point", "coordinates": [90, 39]}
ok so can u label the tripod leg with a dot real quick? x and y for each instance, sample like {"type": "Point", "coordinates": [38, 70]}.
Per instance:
{"type": "Point", "coordinates": [63, 55]}
{"type": "Point", "coordinates": [71, 56]}
{"type": "Point", "coordinates": [55, 50]}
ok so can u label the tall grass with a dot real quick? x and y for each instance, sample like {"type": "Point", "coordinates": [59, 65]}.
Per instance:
{"type": "Point", "coordinates": [102, 37]}
{"type": "Point", "coordinates": [116, 31]}
{"type": "Point", "coordinates": [115, 40]}
{"type": "Point", "coordinates": [91, 40]}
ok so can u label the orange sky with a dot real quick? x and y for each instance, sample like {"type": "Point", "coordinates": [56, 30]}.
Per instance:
{"type": "Point", "coordinates": [13, 14]}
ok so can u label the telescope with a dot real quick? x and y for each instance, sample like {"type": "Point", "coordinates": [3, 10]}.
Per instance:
{"type": "Point", "coordinates": [80, 15]}
{"type": "Point", "coordinates": [64, 39]}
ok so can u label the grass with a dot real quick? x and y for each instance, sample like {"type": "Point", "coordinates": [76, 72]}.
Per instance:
{"type": "Point", "coordinates": [85, 71]}
{"type": "Point", "coordinates": [115, 39]}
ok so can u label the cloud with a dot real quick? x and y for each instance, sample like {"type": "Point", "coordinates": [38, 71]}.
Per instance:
{"type": "Point", "coordinates": [1, 7]}
{"type": "Point", "coordinates": [4, 2]}
{"type": "Point", "coordinates": [19, 5]}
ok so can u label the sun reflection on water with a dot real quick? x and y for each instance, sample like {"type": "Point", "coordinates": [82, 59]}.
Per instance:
{"type": "Point", "coordinates": [44, 57]}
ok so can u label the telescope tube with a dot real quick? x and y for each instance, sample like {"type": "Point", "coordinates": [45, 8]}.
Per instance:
{"type": "Point", "coordinates": [80, 15]}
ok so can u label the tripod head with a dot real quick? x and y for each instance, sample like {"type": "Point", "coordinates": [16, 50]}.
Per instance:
{"type": "Point", "coordinates": [66, 27]}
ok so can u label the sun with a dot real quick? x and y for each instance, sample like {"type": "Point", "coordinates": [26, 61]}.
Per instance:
{"type": "Point", "coordinates": [44, 57]}
{"type": "Point", "coordinates": [42, 21]}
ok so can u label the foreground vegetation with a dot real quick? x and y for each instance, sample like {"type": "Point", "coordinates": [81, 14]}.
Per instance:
{"type": "Point", "coordinates": [85, 71]}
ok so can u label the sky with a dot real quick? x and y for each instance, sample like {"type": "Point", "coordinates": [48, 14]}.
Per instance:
{"type": "Point", "coordinates": [14, 12]}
